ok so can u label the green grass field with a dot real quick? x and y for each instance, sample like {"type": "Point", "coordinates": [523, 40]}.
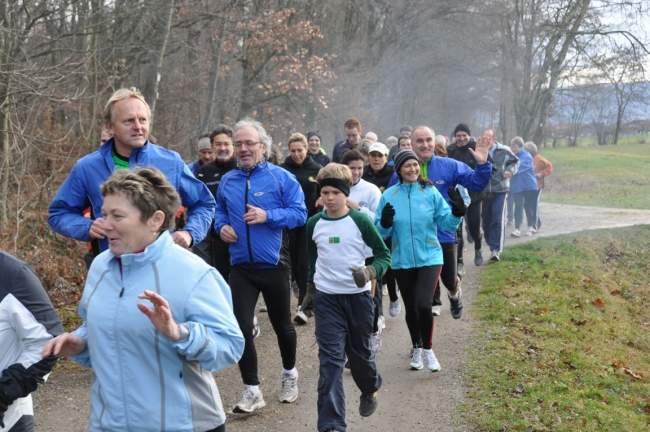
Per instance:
{"type": "Point", "coordinates": [607, 176]}
{"type": "Point", "coordinates": [563, 335]}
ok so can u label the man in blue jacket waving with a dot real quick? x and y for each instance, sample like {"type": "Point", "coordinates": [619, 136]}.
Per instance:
{"type": "Point", "coordinates": [255, 203]}
{"type": "Point", "coordinates": [127, 116]}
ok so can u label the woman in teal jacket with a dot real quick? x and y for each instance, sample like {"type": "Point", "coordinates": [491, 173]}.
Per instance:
{"type": "Point", "coordinates": [152, 367]}
{"type": "Point", "coordinates": [412, 211]}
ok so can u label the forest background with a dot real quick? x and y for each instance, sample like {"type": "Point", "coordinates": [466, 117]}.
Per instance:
{"type": "Point", "coordinates": [558, 72]}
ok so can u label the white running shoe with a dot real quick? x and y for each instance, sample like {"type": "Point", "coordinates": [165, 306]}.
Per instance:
{"type": "Point", "coordinates": [300, 317]}
{"type": "Point", "coordinates": [375, 342]}
{"type": "Point", "coordinates": [249, 401]}
{"type": "Point", "coordinates": [394, 308]}
{"type": "Point", "coordinates": [516, 233]}
{"type": "Point", "coordinates": [381, 322]}
{"type": "Point", "coordinates": [430, 359]}
{"type": "Point", "coordinates": [416, 359]}
{"type": "Point", "coordinates": [435, 310]}
{"type": "Point", "coordinates": [530, 231]}
{"type": "Point", "coordinates": [289, 392]}
{"type": "Point", "coordinates": [384, 290]}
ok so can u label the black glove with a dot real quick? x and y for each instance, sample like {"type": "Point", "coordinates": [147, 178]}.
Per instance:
{"type": "Point", "coordinates": [4, 405]}
{"type": "Point", "coordinates": [387, 215]}
{"type": "Point", "coordinates": [458, 207]}
{"type": "Point", "coordinates": [307, 306]}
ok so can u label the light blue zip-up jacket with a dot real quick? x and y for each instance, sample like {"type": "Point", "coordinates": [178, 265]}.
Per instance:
{"type": "Point", "coordinates": [142, 380]}
{"type": "Point", "coordinates": [82, 189]}
{"type": "Point", "coordinates": [419, 212]}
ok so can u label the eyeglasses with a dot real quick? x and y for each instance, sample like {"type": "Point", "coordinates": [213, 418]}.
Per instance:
{"type": "Point", "coordinates": [249, 144]}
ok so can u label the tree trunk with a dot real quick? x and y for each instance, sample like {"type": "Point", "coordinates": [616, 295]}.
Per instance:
{"type": "Point", "coordinates": [151, 75]}
{"type": "Point", "coordinates": [208, 123]}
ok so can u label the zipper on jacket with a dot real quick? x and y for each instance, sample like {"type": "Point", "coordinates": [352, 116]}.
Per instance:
{"type": "Point", "coordinates": [248, 229]}
{"type": "Point", "coordinates": [411, 227]}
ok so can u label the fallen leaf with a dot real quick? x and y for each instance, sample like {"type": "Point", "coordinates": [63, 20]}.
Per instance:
{"type": "Point", "coordinates": [598, 303]}
{"type": "Point", "coordinates": [585, 279]}
{"type": "Point", "coordinates": [638, 376]}
{"type": "Point", "coordinates": [615, 292]}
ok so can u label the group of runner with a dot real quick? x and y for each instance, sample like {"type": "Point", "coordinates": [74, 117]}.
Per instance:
{"type": "Point", "coordinates": [370, 222]}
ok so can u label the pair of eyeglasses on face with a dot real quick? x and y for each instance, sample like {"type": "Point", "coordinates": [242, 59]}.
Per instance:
{"type": "Point", "coordinates": [248, 144]}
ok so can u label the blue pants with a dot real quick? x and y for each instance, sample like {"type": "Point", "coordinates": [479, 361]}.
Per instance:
{"type": "Point", "coordinates": [343, 326]}
{"type": "Point", "coordinates": [493, 220]}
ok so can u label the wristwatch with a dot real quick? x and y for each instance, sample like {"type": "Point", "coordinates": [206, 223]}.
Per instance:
{"type": "Point", "coordinates": [184, 330]}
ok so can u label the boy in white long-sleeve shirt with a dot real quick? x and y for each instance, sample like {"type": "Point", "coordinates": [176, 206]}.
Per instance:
{"type": "Point", "coordinates": [339, 281]}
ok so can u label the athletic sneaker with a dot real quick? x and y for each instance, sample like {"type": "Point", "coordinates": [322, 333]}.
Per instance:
{"type": "Point", "coordinates": [495, 256]}
{"type": "Point", "coordinates": [430, 359]}
{"type": "Point", "coordinates": [381, 323]}
{"type": "Point", "coordinates": [478, 257]}
{"type": "Point", "coordinates": [456, 305]}
{"type": "Point", "coordinates": [375, 342]}
{"type": "Point", "coordinates": [516, 233]}
{"type": "Point", "coordinates": [435, 310]}
{"type": "Point", "coordinates": [510, 222]}
{"type": "Point", "coordinates": [416, 359]}
{"type": "Point", "coordinates": [368, 404]}
{"type": "Point", "coordinates": [394, 308]}
{"type": "Point", "coordinates": [530, 231]}
{"type": "Point", "coordinates": [460, 269]}
{"type": "Point", "coordinates": [384, 290]}
{"type": "Point", "coordinates": [289, 392]}
{"type": "Point", "coordinates": [249, 401]}
{"type": "Point", "coordinates": [300, 317]}
{"type": "Point", "coordinates": [256, 328]}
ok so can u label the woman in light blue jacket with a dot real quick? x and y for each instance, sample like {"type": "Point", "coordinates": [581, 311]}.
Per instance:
{"type": "Point", "coordinates": [412, 211]}
{"type": "Point", "coordinates": [152, 367]}
{"type": "Point", "coordinates": [523, 187]}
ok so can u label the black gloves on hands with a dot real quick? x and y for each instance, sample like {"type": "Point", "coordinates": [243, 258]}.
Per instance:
{"type": "Point", "coordinates": [387, 215]}
{"type": "Point", "coordinates": [458, 207]}
{"type": "Point", "coordinates": [307, 306]}
{"type": "Point", "coordinates": [363, 275]}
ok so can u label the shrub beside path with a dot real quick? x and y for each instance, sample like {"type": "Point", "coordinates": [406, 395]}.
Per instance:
{"type": "Point", "coordinates": [408, 400]}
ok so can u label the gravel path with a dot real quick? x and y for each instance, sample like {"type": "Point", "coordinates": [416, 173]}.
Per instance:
{"type": "Point", "coordinates": [408, 400]}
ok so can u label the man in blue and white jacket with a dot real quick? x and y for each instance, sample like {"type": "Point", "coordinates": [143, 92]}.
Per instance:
{"type": "Point", "coordinates": [127, 118]}
{"type": "Point", "coordinates": [27, 321]}
{"type": "Point", "coordinates": [256, 203]}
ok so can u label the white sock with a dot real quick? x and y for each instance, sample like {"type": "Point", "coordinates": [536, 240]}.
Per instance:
{"type": "Point", "coordinates": [289, 372]}
{"type": "Point", "coordinates": [455, 297]}
{"type": "Point", "coordinates": [255, 388]}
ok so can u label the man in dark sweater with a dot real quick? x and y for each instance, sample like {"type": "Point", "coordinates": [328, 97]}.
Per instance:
{"type": "Point", "coordinates": [353, 133]}
{"type": "Point", "coordinates": [212, 249]}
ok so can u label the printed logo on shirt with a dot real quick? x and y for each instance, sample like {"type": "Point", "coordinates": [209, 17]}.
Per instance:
{"type": "Point", "coordinates": [422, 206]}
{"type": "Point", "coordinates": [335, 240]}
{"type": "Point", "coordinates": [258, 193]}
{"type": "Point", "coordinates": [363, 204]}
{"type": "Point", "coordinates": [440, 182]}
{"type": "Point", "coordinates": [312, 179]}
{"type": "Point", "coordinates": [381, 189]}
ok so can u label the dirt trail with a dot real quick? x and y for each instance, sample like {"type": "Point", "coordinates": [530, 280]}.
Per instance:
{"type": "Point", "coordinates": [408, 400]}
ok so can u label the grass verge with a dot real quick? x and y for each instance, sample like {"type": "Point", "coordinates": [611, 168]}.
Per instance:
{"type": "Point", "coordinates": [608, 176]}
{"type": "Point", "coordinates": [564, 335]}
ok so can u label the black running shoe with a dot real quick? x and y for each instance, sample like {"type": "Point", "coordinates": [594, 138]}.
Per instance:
{"type": "Point", "coordinates": [456, 305]}
{"type": "Point", "coordinates": [368, 404]}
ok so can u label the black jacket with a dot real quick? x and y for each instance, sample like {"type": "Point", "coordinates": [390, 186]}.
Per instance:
{"type": "Point", "coordinates": [211, 173]}
{"type": "Point", "coordinates": [306, 176]}
{"type": "Point", "coordinates": [379, 178]}
{"type": "Point", "coordinates": [320, 158]}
